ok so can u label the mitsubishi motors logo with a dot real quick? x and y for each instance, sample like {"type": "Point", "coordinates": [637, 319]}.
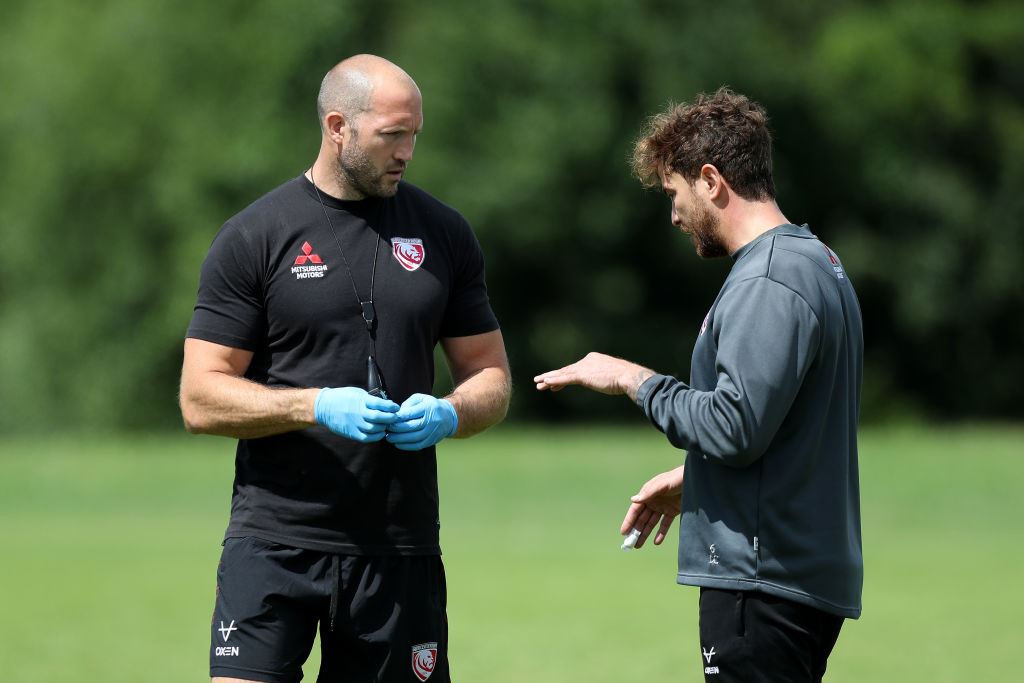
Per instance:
{"type": "Point", "coordinates": [307, 253]}
{"type": "Point", "coordinates": [301, 270]}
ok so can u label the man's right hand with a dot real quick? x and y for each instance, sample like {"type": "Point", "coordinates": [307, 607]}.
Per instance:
{"type": "Point", "coordinates": [659, 500]}
{"type": "Point", "coordinates": [354, 414]}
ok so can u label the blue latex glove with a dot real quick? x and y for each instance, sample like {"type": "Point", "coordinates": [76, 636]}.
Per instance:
{"type": "Point", "coordinates": [421, 422]}
{"type": "Point", "coordinates": [353, 413]}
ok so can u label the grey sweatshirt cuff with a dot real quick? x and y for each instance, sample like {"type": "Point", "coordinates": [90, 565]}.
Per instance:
{"type": "Point", "coordinates": [647, 389]}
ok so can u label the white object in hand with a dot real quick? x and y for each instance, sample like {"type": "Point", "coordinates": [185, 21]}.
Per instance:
{"type": "Point", "coordinates": [630, 542]}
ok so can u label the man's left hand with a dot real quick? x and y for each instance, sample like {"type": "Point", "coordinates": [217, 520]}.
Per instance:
{"type": "Point", "coordinates": [606, 374]}
{"type": "Point", "coordinates": [421, 422]}
{"type": "Point", "coordinates": [658, 501]}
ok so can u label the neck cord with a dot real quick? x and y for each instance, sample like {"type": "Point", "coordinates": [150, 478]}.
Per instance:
{"type": "Point", "coordinates": [376, 378]}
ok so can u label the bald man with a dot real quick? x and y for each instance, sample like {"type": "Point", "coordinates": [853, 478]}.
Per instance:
{"type": "Point", "coordinates": [312, 343]}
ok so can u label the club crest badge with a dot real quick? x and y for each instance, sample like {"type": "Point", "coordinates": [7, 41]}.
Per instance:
{"type": "Point", "coordinates": [424, 657]}
{"type": "Point", "coordinates": [409, 252]}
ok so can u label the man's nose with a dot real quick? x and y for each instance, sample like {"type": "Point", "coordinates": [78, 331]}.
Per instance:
{"type": "Point", "coordinates": [675, 218]}
{"type": "Point", "coordinates": [404, 151]}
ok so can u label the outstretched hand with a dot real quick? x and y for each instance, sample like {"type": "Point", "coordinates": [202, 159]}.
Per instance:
{"type": "Point", "coordinates": [658, 501]}
{"type": "Point", "coordinates": [599, 372]}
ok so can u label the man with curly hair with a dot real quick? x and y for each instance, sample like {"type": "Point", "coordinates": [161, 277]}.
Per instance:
{"type": "Point", "coordinates": [770, 501]}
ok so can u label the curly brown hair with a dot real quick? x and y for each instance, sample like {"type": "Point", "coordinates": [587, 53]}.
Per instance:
{"type": "Point", "coordinates": [726, 129]}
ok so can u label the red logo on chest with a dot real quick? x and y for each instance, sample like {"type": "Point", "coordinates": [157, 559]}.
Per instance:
{"type": "Point", "coordinates": [307, 255]}
{"type": "Point", "coordinates": [308, 265]}
{"type": "Point", "coordinates": [408, 251]}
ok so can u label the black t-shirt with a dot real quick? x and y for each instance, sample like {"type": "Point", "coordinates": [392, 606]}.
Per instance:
{"type": "Point", "coordinates": [274, 283]}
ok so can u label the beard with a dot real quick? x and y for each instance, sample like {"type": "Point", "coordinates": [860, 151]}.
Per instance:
{"type": "Point", "coordinates": [705, 233]}
{"type": "Point", "coordinates": [357, 170]}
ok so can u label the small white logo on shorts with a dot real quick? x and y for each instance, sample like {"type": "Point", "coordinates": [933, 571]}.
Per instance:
{"type": "Point", "coordinates": [712, 555]}
{"type": "Point", "coordinates": [710, 669]}
{"type": "Point", "coordinates": [225, 631]}
{"type": "Point", "coordinates": [226, 652]}
{"type": "Point", "coordinates": [708, 655]}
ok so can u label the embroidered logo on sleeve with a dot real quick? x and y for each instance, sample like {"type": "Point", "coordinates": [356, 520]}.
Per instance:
{"type": "Point", "coordinates": [408, 251]}
{"type": "Point", "coordinates": [836, 266]}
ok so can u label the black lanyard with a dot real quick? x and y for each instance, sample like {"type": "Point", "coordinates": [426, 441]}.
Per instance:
{"type": "Point", "coordinates": [374, 376]}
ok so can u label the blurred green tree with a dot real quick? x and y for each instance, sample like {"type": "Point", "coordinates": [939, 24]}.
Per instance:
{"type": "Point", "coordinates": [131, 131]}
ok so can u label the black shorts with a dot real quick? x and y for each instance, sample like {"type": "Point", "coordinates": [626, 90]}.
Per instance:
{"type": "Point", "coordinates": [381, 618]}
{"type": "Point", "coordinates": [755, 638]}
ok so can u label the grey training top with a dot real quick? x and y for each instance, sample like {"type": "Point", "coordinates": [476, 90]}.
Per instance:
{"type": "Point", "coordinates": [771, 499]}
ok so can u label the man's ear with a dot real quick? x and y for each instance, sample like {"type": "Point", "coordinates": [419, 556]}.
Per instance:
{"type": "Point", "coordinates": [712, 181]}
{"type": "Point", "coordinates": [335, 127]}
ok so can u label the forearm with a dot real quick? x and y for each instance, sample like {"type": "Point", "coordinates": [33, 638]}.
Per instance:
{"type": "Point", "coordinates": [721, 424]}
{"type": "Point", "coordinates": [767, 338]}
{"type": "Point", "coordinates": [481, 400]}
{"type": "Point", "coordinates": [220, 404]}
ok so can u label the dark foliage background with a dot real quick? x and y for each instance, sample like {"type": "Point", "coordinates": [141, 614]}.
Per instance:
{"type": "Point", "coordinates": [131, 130]}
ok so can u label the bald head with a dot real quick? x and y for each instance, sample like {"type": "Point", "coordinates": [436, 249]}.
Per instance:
{"type": "Point", "coordinates": [370, 114]}
{"type": "Point", "coordinates": [350, 87]}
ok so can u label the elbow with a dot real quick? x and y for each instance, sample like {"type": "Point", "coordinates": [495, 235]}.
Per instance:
{"type": "Point", "coordinates": [740, 458]}
{"type": "Point", "coordinates": [740, 451]}
{"type": "Point", "coordinates": [193, 427]}
{"type": "Point", "coordinates": [735, 448]}
{"type": "Point", "coordinates": [733, 454]}
{"type": "Point", "coordinates": [502, 411]}
{"type": "Point", "coordinates": [732, 434]}
{"type": "Point", "coordinates": [193, 417]}
{"type": "Point", "coordinates": [500, 406]}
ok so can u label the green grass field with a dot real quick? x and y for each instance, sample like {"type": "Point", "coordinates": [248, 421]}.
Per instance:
{"type": "Point", "coordinates": [110, 548]}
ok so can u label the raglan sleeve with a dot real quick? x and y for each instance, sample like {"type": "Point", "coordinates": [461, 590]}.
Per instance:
{"type": "Point", "coordinates": [768, 336]}
{"type": "Point", "coordinates": [229, 305]}
{"type": "Point", "coordinates": [468, 311]}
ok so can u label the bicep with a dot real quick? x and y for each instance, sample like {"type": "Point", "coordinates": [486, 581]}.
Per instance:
{"type": "Point", "coordinates": [230, 302]}
{"type": "Point", "coordinates": [768, 337]}
{"type": "Point", "coordinates": [203, 357]}
{"type": "Point", "coordinates": [765, 346]}
{"type": "Point", "coordinates": [470, 354]}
